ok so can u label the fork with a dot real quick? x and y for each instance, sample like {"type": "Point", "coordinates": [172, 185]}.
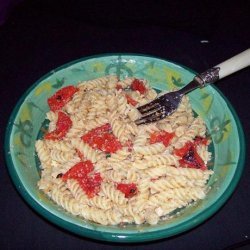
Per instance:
{"type": "Point", "coordinates": [166, 104]}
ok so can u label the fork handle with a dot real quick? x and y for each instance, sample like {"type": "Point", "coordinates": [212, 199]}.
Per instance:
{"type": "Point", "coordinates": [225, 68]}
{"type": "Point", "coordinates": [234, 64]}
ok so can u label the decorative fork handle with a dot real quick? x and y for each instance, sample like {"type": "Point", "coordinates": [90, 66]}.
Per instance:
{"type": "Point", "coordinates": [224, 69]}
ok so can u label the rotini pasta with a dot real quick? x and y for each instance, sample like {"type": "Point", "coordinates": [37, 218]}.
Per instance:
{"type": "Point", "coordinates": [96, 162]}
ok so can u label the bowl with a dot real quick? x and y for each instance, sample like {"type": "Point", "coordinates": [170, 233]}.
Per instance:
{"type": "Point", "coordinates": [228, 145]}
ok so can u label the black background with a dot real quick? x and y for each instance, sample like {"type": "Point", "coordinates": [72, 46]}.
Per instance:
{"type": "Point", "coordinates": [38, 36]}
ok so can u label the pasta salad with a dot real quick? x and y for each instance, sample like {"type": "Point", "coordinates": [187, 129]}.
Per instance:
{"type": "Point", "coordinates": [98, 164]}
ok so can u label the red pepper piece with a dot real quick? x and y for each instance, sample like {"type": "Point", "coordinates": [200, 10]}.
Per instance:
{"type": "Point", "coordinates": [61, 97]}
{"type": "Point", "coordinates": [189, 156]}
{"type": "Point", "coordinates": [103, 139]}
{"type": "Point", "coordinates": [182, 151]}
{"type": "Point", "coordinates": [80, 170]}
{"type": "Point", "coordinates": [110, 144]}
{"type": "Point", "coordinates": [63, 125]}
{"type": "Point", "coordinates": [96, 131]}
{"type": "Point", "coordinates": [128, 189]}
{"type": "Point", "coordinates": [192, 159]}
{"type": "Point", "coordinates": [90, 136]}
{"type": "Point", "coordinates": [161, 136]}
{"type": "Point", "coordinates": [130, 100]}
{"type": "Point", "coordinates": [138, 85]}
{"type": "Point", "coordinates": [83, 172]}
{"type": "Point", "coordinates": [91, 184]}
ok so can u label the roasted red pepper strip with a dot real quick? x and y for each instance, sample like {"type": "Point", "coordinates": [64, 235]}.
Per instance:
{"type": "Point", "coordinates": [182, 151]}
{"type": "Point", "coordinates": [103, 139]}
{"type": "Point", "coordinates": [80, 170]}
{"type": "Point", "coordinates": [91, 185]}
{"type": "Point", "coordinates": [161, 136]}
{"type": "Point", "coordinates": [96, 131]}
{"type": "Point", "coordinates": [128, 189]}
{"type": "Point", "coordinates": [192, 160]}
{"type": "Point", "coordinates": [130, 100]}
{"type": "Point", "coordinates": [83, 172]}
{"type": "Point", "coordinates": [61, 97]}
{"type": "Point", "coordinates": [138, 85]}
{"type": "Point", "coordinates": [189, 156]}
{"type": "Point", "coordinates": [63, 125]}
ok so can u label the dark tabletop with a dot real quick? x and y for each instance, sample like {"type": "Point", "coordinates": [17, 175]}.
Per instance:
{"type": "Point", "coordinates": [38, 36]}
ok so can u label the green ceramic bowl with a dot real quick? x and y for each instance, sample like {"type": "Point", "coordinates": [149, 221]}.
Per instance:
{"type": "Point", "coordinates": [222, 122]}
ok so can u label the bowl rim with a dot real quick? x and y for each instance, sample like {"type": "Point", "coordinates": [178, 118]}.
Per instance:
{"type": "Point", "coordinates": [122, 237]}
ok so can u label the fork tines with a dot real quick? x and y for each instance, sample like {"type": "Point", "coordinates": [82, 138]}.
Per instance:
{"type": "Point", "coordinates": [151, 112]}
{"type": "Point", "coordinates": [150, 107]}
{"type": "Point", "coordinates": [156, 116]}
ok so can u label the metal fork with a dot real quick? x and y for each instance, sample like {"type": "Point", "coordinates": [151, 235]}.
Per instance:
{"type": "Point", "coordinates": [166, 104]}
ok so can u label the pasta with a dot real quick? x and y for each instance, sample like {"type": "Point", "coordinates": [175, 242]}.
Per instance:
{"type": "Point", "coordinates": [96, 162]}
